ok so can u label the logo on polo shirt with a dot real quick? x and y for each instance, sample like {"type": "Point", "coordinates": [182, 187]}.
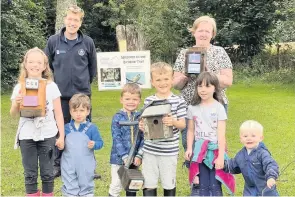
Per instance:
{"type": "Point", "coordinates": [81, 52]}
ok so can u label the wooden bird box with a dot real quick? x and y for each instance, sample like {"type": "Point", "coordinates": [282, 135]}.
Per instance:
{"type": "Point", "coordinates": [131, 179]}
{"type": "Point", "coordinates": [195, 61]}
{"type": "Point", "coordinates": [153, 124]}
{"type": "Point", "coordinates": [34, 98]}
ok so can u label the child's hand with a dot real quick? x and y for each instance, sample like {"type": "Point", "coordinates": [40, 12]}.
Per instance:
{"type": "Point", "coordinates": [60, 143]}
{"type": "Point", "coordinates": [19, 98]}
{"type": "Point", "coordinates": [141, 125]}
{"type": "Point", "coordinates": [125, 160]}
{"type": "Point", "coordinates": [188, 154]}
{"type": "Point", "coordinates": [168, 120]}
{"type": "Point", "coordinates": [196, 180]}
{"type": "Point", "coordinates": [219, 163]}
{"type": "Point", "coordinates": [270, 182]}
{"type": "Point", "coordinates": [91, 144]}
{"type": "Point", "coordinates": [137, 161]}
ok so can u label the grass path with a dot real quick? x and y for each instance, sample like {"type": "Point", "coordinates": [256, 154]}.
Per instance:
{"type": "Point", "coordinates": [271, 105]}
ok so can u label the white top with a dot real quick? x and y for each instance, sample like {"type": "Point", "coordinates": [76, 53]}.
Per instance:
{"type": "Point", "coordinates": [206, 120]}
{"type": "Point", "coordinates": [40, 127]}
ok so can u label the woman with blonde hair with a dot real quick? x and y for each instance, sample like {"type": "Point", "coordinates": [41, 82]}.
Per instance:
{"type": "Point", "coordinates": [217, 61]}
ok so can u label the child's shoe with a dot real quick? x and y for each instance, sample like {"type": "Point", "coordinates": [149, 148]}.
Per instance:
{"type": "Point", "coordinates": [195, 190]}
{"type": "Point", "coordinates": [37, 194]}
{"type": "Point", "coordinates": [47, 194]}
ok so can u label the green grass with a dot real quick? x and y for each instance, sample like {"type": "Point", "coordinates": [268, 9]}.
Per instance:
{"type": "Point", "coordinates": [271, 104]}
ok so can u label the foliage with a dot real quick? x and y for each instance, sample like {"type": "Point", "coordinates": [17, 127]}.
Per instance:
{"type": "Point", "coordinates": [162, 22]}
{"type": "Point", "coordinates": [22, 27]}
{"type": "Point", "coordinates": [93, 25]}
{"type": "Point", "coordinates": [271, 104]}
{"type": "Point", "coordinates": [246, 24]}
{"type": "Point", "coordinates": [50, 9]}
{"type": "Point", "coordinates": [268, 66]}
{"type": "Point", "coordinates": [285, 27]}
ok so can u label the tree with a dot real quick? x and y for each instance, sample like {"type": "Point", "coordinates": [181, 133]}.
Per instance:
{"type": "Point", "coordinates": [22, 28]}
{"type": "Point", "coordinates": [61, 7]}
{"type": "Point", "coordinates": [103, 35]}
{"type": "Point", "coordinates": [285, 27]}
{"type": "Point", "coordinates": [163, 23]}
{"type": "Point", "coordinates": [246, 24]}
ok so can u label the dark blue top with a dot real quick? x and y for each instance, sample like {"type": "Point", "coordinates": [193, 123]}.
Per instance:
{"type": "Point", "coordinates": [256, 168]}
{"type": "Point", "coordinates": [122, 138]}
{"type": "Point", "coordinates": [74, 65]}
{"type": "Point", "coordinates": [92, 133]}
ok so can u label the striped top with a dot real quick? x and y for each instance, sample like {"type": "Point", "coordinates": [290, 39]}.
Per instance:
{"type": "Point", "coordinates": [168, 146]}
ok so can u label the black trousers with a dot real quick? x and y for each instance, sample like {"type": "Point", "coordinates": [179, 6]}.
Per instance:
{"type": "Point", "coordinates": [67, 118]}
{"type": "Point", "coordinates": [32, 152]}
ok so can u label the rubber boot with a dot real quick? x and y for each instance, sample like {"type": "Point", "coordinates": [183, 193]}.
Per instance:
{"type": "Point", "coordinates": [96, 175]}
{"type": "Point", "coordinates": [47, 194]}
{"type": "Point", "coordinates": [130, 193]}
{"type": "Point", "coordinates": [34, 194]}
{"type": "Point", "coordinates": [195, 190]}
{"type": "Point", "coordinates": [150, 192]}
{"type": "Point", "coordinates": [170, 192]}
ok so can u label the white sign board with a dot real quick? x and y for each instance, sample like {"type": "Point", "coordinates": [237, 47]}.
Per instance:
{"type": "Point", "coordinates": [115, 69]}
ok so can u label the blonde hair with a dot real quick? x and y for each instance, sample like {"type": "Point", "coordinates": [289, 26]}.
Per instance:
{"type": "Point", "coordinates": [161, 67]}
{"type": "Point", "coordinates": [132, 88]}
{"type": "Point", "coordinates": [46, 74]}
{"type": "Point", "coordinates": [206, 19]}
{"type": "Point", "coordinates": [75, 10]}
{"type": "Point", "coordinates": [78, 100]}
{"type": "Point", "coordinates": [251, 124]}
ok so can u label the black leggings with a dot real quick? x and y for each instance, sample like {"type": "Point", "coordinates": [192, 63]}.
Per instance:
{"type": "Point", "coordinates": [32, 152]}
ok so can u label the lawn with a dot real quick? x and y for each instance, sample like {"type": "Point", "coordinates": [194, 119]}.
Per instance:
{"type": "Point", "coordinates": [271, 105]}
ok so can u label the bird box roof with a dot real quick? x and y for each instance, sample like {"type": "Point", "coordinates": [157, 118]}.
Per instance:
{"type": "Point", "coordinates": [157, 110]}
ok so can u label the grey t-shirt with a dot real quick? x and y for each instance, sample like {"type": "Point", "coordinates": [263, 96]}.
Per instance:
{"type": "Point", "coordinates": [206, 120]}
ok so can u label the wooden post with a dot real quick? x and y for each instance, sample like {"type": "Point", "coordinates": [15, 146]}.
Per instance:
{"type": "Point", "coordinates": [129, 39]}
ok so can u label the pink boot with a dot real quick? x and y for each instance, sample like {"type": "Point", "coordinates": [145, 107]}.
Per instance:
{"type": "Point", "coordinates": [47, 194]}
{"type": "Point", "coordinates": [37, 194]}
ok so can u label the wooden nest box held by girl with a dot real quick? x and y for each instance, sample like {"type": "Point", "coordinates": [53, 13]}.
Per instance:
{"type": "Point", "coordinates": [34, 98]}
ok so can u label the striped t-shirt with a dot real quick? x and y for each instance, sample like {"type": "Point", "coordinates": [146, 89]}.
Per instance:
{"type": "Point", "coordinates": [169, 146]}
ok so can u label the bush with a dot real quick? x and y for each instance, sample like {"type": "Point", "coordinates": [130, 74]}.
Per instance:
{"type": "Point", "coordinates": [21, 29]}
{"type": "Point", "coordinates": [268, 66]}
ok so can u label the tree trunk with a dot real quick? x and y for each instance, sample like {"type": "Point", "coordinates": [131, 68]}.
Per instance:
{"type": "Point", "coordinates": [61, 7]}
{"type": "Point", "coordinates": [129, 35]}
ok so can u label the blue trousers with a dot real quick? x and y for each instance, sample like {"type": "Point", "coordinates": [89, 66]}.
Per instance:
{"type": "Point", "coordinates": [208, 184]}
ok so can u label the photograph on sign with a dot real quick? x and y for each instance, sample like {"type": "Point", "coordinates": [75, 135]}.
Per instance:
{"type": "Point", "coordinates": [135, 77]}
{"type": "Point", "coordinates": [110, 77]}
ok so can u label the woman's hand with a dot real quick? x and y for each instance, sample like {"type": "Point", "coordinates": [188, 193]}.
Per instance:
{"type": "Point", "coordinates": [179, 80]}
